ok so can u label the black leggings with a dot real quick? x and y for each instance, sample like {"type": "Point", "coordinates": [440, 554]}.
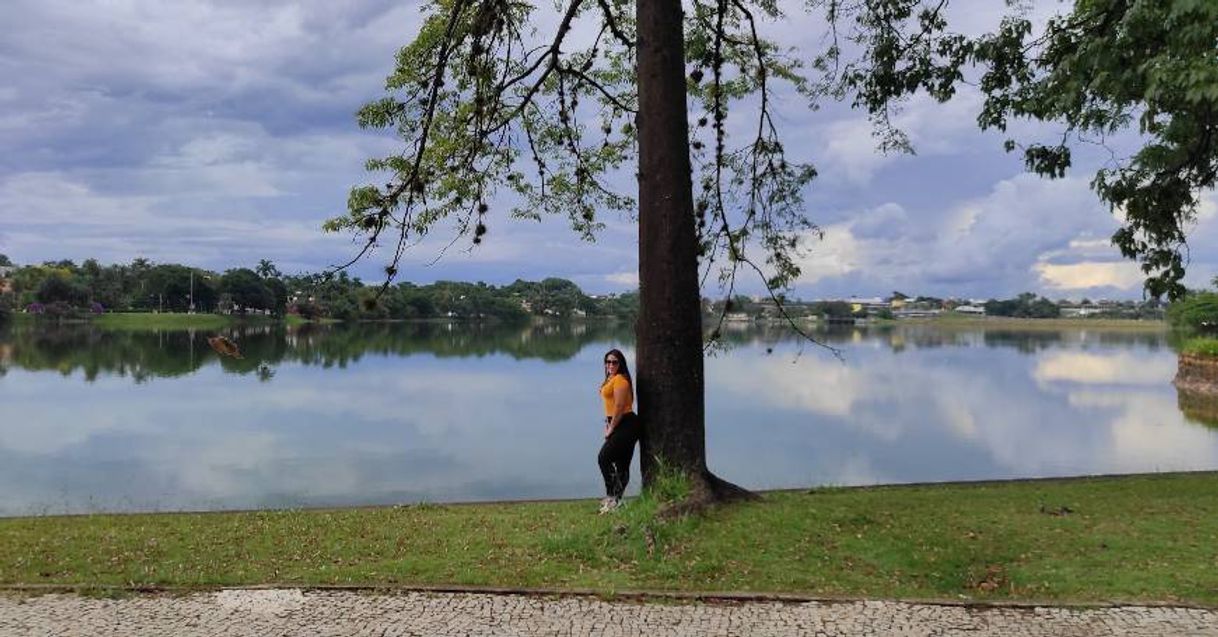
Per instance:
{"type": "Point", "coordinates": [617, 452]}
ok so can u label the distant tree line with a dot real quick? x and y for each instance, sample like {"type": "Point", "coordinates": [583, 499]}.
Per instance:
{"type": "Point", "coordinates": [1026, 305]}
{"type": "Point", "coordinates": [66, 289]}
{"type": "Point", "coordinates": [1029, 305]}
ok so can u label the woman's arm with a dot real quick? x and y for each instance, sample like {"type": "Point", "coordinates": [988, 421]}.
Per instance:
{"type": "Point", "coordinates": [621, 398]}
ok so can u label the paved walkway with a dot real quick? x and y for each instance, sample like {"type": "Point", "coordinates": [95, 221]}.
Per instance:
{"type": "Point", "coordinates": [317, 613]}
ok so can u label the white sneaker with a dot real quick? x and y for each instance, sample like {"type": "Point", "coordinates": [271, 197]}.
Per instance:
{"type": "Point", "coordinates": [609, 504]}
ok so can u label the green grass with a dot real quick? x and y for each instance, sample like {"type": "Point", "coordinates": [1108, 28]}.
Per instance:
{"type": "Point", "coordinates": [171, 320]}
{"type": "Point", "coordinates": [1140, 538]}
{"type": "Point", "coordinates": [1200, 346]}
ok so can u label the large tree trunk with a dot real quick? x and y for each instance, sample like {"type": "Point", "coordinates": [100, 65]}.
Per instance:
{"type": "Point", "coordinates": [669, 379]}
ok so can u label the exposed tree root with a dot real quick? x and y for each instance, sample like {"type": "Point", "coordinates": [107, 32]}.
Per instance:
{"type": "Point", "coordinates": [706, 490]}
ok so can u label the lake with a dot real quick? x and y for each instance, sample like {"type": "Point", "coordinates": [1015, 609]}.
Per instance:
{"type": "Point", "coordinates": [94, 420]}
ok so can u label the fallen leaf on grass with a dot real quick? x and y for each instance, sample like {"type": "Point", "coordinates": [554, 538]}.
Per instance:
{"type": "Point", "coordinates": [994, 577]}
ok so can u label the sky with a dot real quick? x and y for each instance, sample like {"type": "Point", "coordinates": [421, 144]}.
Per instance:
{"type": "Point", "coordinates": [217, 133]}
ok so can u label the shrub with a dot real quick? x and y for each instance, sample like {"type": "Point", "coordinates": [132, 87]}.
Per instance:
{"type": "Point", "coordinates": [1197, 312]}
{"type": "Point", "coordinates": [61, 310]}
{"type": "Point", "coordinates": [58, 289]}
{"type": "Point", "coordinates": [308, 310]}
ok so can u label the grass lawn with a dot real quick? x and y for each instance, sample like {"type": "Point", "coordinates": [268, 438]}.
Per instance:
{"type": "Point", "coordinates": [1139, 538]}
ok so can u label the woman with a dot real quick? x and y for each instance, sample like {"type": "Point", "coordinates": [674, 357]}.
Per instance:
{"type": "Point", "coordinates": [621, 429]}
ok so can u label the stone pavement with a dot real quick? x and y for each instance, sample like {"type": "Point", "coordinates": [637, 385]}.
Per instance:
{"type": "Point", "coordinates": [323, 613]}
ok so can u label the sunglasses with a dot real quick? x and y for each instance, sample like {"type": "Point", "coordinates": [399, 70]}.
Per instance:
{"type": "Point", "coordinates": [610, 361]}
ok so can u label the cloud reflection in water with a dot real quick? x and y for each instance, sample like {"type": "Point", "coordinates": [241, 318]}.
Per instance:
{"type": "Point", "coordinates": [1064, 406]}
{"type": "Point", "coordinates": [465, 418]}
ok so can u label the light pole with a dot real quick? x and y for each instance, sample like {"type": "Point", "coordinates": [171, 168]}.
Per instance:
{"type": "Point", "coordinates": [191, 310]}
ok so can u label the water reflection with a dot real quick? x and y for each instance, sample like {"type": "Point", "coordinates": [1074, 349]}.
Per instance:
{"type": "Point", "coordinates": [1119, 368]}
{"type": "Point", "coordinates": [387, 413]}
{"type": "Point", "coordinates": [1200, 407]}
{"type": "Point", "coordinates": [1055, 405]}
{"type": "Point", "coordinates": [144, 354]}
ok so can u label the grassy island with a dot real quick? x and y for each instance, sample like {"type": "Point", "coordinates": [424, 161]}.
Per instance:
{"type": "Point", "coordinates": [1147, 538]}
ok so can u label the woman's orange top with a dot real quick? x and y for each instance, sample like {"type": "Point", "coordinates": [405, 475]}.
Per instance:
{"type": "Point", "coordinates": [607, 393]}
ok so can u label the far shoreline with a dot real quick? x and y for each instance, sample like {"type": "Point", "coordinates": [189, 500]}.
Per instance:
{"type": "Point", "coordinates": [1038, 323]}
{"type": "Point", "coordinates": [807, 490]}
{"type": "Point", "coordinates": [178, 320]}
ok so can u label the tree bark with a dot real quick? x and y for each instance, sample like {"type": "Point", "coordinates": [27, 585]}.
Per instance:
{"type": "Point", "coordinates": [669, 370]}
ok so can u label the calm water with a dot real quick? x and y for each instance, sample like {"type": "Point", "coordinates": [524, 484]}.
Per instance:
{"type": "Point", "coordinates": [377, 414]}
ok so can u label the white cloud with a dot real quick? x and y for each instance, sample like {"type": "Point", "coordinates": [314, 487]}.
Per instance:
{"type": "Point", "coordinates": [848, 146]}
{"type": "Point", "coordinates": [199, 45]}
{"type": "Point", "coordinates": [1021, 218]}
{"type": "Point", "coordinates": [51, 214]}
{"type": "Point", "coordinates": [623, 279]}
{"type": "Point", "coordinates": [1091, 246]}
{"type": "Point", "coordinates": [1005, 242]}
{"type": "Point", "coordinates": [1123, 275]}
{"type": "Point", "coordinates": [836, 254]}
{"type": "Point", "coordinates": [981, 17]}
{"type": "Point", "coordinates": [31, 199]}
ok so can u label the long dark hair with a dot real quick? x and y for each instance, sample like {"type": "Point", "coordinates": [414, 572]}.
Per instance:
{"type": "Point", "coordinates": [622, 367]}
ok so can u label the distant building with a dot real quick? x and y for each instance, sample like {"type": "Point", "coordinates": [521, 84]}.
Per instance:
{"type": "Point", "coordinates": [971, 309]}
{"type": "Point", "coordinates": [872, 304]}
